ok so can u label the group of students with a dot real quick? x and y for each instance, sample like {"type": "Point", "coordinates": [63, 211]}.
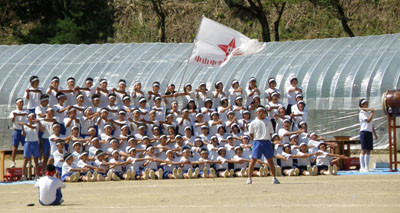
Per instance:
{"type": "Point", "coordinates": [97, 133]}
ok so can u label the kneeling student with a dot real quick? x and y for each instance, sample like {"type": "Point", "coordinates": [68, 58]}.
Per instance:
{"type": "Point", "coordinates": [50, 188]}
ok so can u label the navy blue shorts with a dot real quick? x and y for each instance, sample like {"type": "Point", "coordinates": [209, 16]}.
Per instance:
{"type": "Point", "coordinates": [263, 147]}
{"type": "Point", "coordinates": [45, 147]}
{"type": "Point", "coordinates": [32, 111]}
{"type": "Point", "coordinates": [165, 175]}
{"type": "Point", "coordinates": [64, 176]}
{"type": "Point", "coordinates": [367, 141]}
{"type": "Point", "coordinates": [17, 138]}
{"type": "Point", "coordinates": [31, 149]}
{"type": "Point", "coordinates": [322, 167]}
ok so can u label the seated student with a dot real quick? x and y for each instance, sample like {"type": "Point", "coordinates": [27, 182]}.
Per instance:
{"type": "Point", "coordinates": [241, 163]}
{"type": "Point", "coordinates": [77, 151]}
{"type": "Point", "coordinates": [88, 122]}
{"type": "Point", "coordinates": [70, 171]}
{"type": "Point", "coordinates": [151, 165]}
{"type": "Point", "coordinates": [205, 165]}
{"type": "Point", "coordinates": [223, 109]}
{"type": "Point", "coordinates": [231, 120]}
{"type": "Point", "coordinates": [84, 163]}
{"type": "Point", "coordinates": [299, 115]}
{"type": "Point", "coordinates": [230, 147]}
{"type": "Point", "coordinates": [50, 188]}
{"type": "Point", "coordinates": [213, 148]}
{"type": "Point", "coordinates": [198, 123]}
{"type": "Point", "coordinates": [222, 168]}
{"type": "Point", "coordinates": [134, 164]}
{"type": "Point", "coordinates": [246, 146]}
{"type": "Point", "coordinates": [235, 91]}
{"type": "Point", "coordinates": [221, 135]}
{"type": "Point", "coordinates": [285, 132]}
{"type": "Point", "coordinates": [304, 161]}
{"type": "Point", "coordinates": [213, 123]}
{"type": "Point", "coordinates": [238, 108]}
{"type": "Point", "coordinates": [169, 166]}
{"type": "Point", "coordinates": [117, 170]}
{"type": "Point", "coordinates": [198, 145]}
{"type": "Point", "coordinates": [325, 159]}
{"type": "Point", "coordinates": [288, 168]}
{"type": "Point", "coordinates": [188, 137]}
{"type": "Point", "coordinates": [162, 148]}
{"type": "Point", "coordinates": [100, 162]}
{"type": "Point", "coordinates": [186, 165]}
{"type": "Point", "coordinates": [245, 121]}
{"type": "Point", "coordinates": [207, 109]}
{"type": "Point", "coordinates": [219, 95]}
{"type": "Point", "coordinates": [58, 157]}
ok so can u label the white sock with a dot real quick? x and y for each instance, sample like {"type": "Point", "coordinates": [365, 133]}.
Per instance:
{"type": "Point", "coordinates": [362, 165]}
{"type": "Point", "coordinates": [366, 161]}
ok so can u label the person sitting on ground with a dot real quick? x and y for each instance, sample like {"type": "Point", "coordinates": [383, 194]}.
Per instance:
{"type": "Point", "coordinates": [50, 188]}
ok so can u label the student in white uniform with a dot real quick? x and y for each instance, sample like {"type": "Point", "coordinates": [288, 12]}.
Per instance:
{"type": "Point", "coordinates": [70, 92]}
{"type": "Point", "coordinates": [252, 91]}
{"type": "Point", "coordinates": [285, 132]}
{"type": "Point", "coordinates": [292, 91]}
{"type": "Point", "coordinates": [120, 92]}
{"type": "Point", "coordinates": [218, 94]}
{"type": "Point", "coordinates": [273, 107]}
{"type": "Point", "coordinates": [238, 108]}
{"type": "Point", "coordinates": [169, 96]}
{"type": "Point", "coordinates": [241, 163]}
{"type": "Point", "coordinates": [202, 94]}
{"type": "Point", "coordinates": [31, 147]}
{"type": "Point", "coordinates": [53, 90]}
{"type": "Point", "coordinates": [102, 91]}
{"type": "Point", "coordinates": [50, 188]}
{"type": "Point", "coordinates": [17, 116]}
{"type": "Point", "coordinates": [325, 160]}
{"type": "Point", "coordinates": [235, 91]}
{"type": "Point", "coordinates": [272, 88]}
{"type": "Point", "coordinates": [299, 115]}
{"type": "Point", "coordinates": [88, 91]}
{"type": "Point", "coordinates": [366, 117]}
{"type": "Point", "coordinates": [33, 93]}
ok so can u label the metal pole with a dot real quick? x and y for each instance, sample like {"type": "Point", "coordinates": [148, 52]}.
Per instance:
{"type": "Point", "coordinates": [390, 143]}
{"type": "Point", "coordinates": [395, 143]}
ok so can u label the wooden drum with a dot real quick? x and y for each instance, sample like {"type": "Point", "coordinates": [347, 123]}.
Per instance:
{"type": "Point", "coordinates": [391, 103]}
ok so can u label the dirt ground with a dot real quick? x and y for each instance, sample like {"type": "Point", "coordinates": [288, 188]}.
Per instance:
{"type": "Point", "coordinates": [367, 193]}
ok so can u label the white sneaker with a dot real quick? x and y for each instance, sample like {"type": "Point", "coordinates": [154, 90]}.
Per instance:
{"type": "Point", "coordinates": [179, 172]}
{"type": "Point", "coordinates": [296, 172]}
{"type": "Point", "coordinates": [330, 169]}
{"type": "Point", "coordinates": [213, 173]}
{"type": "Point", "coordinates": [128, 174]}
{"type": "Point", "coordinates": [261, 172]}
{"type": "Point", "coordinates": [152, 175]}
{"type": "Point", "coordinates": [89, 176]}
{"type": "Point", "coordinates": [315, 170]}
{"type": "Point", "coordinates": [278, 171]}
{"type": "Point", "coordinates": [205, 172]}
{"type": "Point", "coordinates": [196, 173]}
{"type": "Point", "coordinates": [160, 174]}
{"type": "Point", "coordinates": [275, 181]}
{"type": "Point", "coordinates": [249, 181]}
{"type": "Point", "coordinates": [94, 176]}
{"type": "Point", "coordinates": [77, 176]}
{"type": "Point", "coordinates": [115, 177]}
{"type": "Point", "coordinates": [334, 170]}
{"type": "Point", "coordinates": [133, 175]}
{"type": "Point", "coordinates": [266, 171]}
{"type": "Point", "coordinates": [100, 177]}
{"type": "Point", "coordinates": [190, 173]}
{"type": "Point", "coordinates": [231, 173]}
{"type": "Point", "coordinates": [243, 172]}
{"type": "Point", "coordinates": [309, 170]}
{"type": "Point", "coordinates": [12, 164]}
{"type": "Point", "coordinates": [226, 174]}
{"type": "Point", "coordinates": [146, 174]}
{"type": "Point", "coordinates": [175, 173]}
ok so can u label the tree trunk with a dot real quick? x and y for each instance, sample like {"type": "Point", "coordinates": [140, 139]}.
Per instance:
{"type": "Point", "coordinates": [278, 19]}
{"type": "Point", "coordinates": [343, 18]}
{"type": "Point", "coordinates": [265, 28]}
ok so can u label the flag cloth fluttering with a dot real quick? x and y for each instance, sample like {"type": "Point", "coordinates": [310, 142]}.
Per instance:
{"type": "Point", "coordinates": [215, 44]}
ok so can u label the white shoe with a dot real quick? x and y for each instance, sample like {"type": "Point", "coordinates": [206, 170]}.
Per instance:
{"type": "Point", "coordinates": [115, 177]}
{"type": "Point", "coordinates": [225, 174]}
{"type": "Point", "coordinates": [12, 164]}
{"type": "Point", "coordinates": [179, 173]}
{"type": "Point", "coordinates": [133, 175]}
{"type": "Point", "coordinates": [196, 173]}
{"type": "Point", "coordinates": [205, 171]}
{"type": "Point", "coordinates": [231, 173]}
{"type": "Point", "coordinates": [309, 170]}
{"type": "Point", "coordinates": [249, 181]}
{"type": "Point", "coordinates": [146, 174]}
{"type": "Point", "coordinates": [152, 175]}
{"type": "Point", "coordinates": [190, 173]}
{"type": "Point", "coordinates": [160, 174]}
{"type": "Point", "coordinates": [371, 170]}
{"type": "Point", "coordinates": [77, 176]}
{"type": "Point", "coordinates": [278, 171]}
{"type": "Point", "coordinates": [275, 181]}
{"type": "Point", "coordinates": [266, 171]}
{"type": "Point", "coordinates": [334, 170]}
{"type": "Point", "coordinates": [296, 172]}
{"type": "Point", "coordinates": [315, 170]}
{"type": "Point", "coordinates": [100, 177]}
{"type": "Point", "coordinates": [128, 174]}
{"type": "Point", "coordinates": [243, 172]}
{"type": "Point", "coordinates": [330, 169]}
{"type": "Point", "coordinates": [89, 176]}
{"type": "Point", "coordinates": [291, 172]}
{"type": "Point", "coordinates": [175, 173]}
{"type": "Point", "coordinates": [261, 172]}
{"type": "Point", "coordinates": [213, 173]}
{"type": "Point", "coordinates": [94, 176]}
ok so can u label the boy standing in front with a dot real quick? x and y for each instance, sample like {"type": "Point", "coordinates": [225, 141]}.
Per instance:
{"type": "Point", "coordinates": [260, 132]}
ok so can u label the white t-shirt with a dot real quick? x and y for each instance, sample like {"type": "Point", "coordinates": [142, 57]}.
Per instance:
{"type": "Point", "coordinates": [269, 91]}
{"type": "Point", "coordinates": [292, 96]}
{"type": "Point", "coordinates": [285, 139]}
{"type": "Point", "coordinates": [288, 163]}
{"type": "Point", "coordinates": [233, 95]}
{"type": "Point", "coordinates": [60, 116]}
{"type": "Point", "coordinates": [303, 161]}
{"type": "Point", "coordinates": [17, 119]}
{"type": "Point", "coordinates": [58, 157]}
{"type": "Point", "coordinates": [32, 134]}
{"type": "Point", "coordinates": [262, 129]}
{"type": "Point", "coordinates": [135, 165]}
{"type": "Point", "coordinates": [239, 165]}
{"type": "Point", "coordinates": [364, 125]}
{"type": "Point", "coordinates": [66, 168]}
{"type": "Point", "coordinates": [202, 98]}
{"type": "Point", "coordinates": [34, 98]}
{"type": "Point", "coordinates": [48, 130]}
{"type": "Point", "coordinates": [48, 186]}
{"type": "Point", "coordinates": [323, 159]}
{"type": "Point", "coordinates": [223, 165]}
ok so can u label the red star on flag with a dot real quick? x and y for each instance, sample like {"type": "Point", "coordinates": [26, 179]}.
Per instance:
{"type": "Point", "coordinates": [228, 48]}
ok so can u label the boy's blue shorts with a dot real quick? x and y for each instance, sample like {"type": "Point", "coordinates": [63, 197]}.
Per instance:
{"type": "Point", "coordinates": [45, 146]}
{"type": "Point", "coordinates": [31, 148]}
{"type": "Point", "coordinates": [17, 138]}
{"type": "Point", "coordinates": [262, 147]}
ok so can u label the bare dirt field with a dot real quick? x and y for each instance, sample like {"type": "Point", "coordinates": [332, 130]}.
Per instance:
{"type": "Point", "coordinates": [366, 193]}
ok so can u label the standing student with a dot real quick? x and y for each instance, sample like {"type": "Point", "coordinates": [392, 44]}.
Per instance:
{"type": "Point", "coordinates": [202, 95]}
{"type": "Point", "coordinates": [235, 91]}
{"type": "Point", "coordinates": [17, 116]}
{"type": "Point", "coordinates": [252, 91]}
{"type": "Point", "coordinates": [50, 188]}
{"type": "Point", "coordinates": [137, 93]}
{"type": "Point", "coordinates": [272, 89]}
{"type": "Point", "coordinates": [31, 147]}
{"type": "Point", "coordinates": [292, 91]}
{"type": "Point", "coordinates": [33, 93]}
{"type": "Point", "coordinates": [120, 92]}
{"type": "Point", "coordinates": [260, 132]}
{"type": "Point", "coordinates": [53, 90]}
{"type": "Point", "coordinates": [218, 94]}
{"type": "Point", "coordinates": [366, 130]}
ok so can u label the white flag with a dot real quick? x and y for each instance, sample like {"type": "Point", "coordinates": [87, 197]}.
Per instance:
{"type": "Point", "coordinates": [215, 44]}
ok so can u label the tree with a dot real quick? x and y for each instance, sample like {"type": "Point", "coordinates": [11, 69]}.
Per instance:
{"type": "Point", "coordinates": [280, 7]}
{"type": "Point", "coordinates": [337, 7]}
{"type": "Point", "coordinates": [64, 21]}
{"type": "Point", "coordinates": [255, 9]}
{"type": "Point", "coordinates": [158, 8]}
